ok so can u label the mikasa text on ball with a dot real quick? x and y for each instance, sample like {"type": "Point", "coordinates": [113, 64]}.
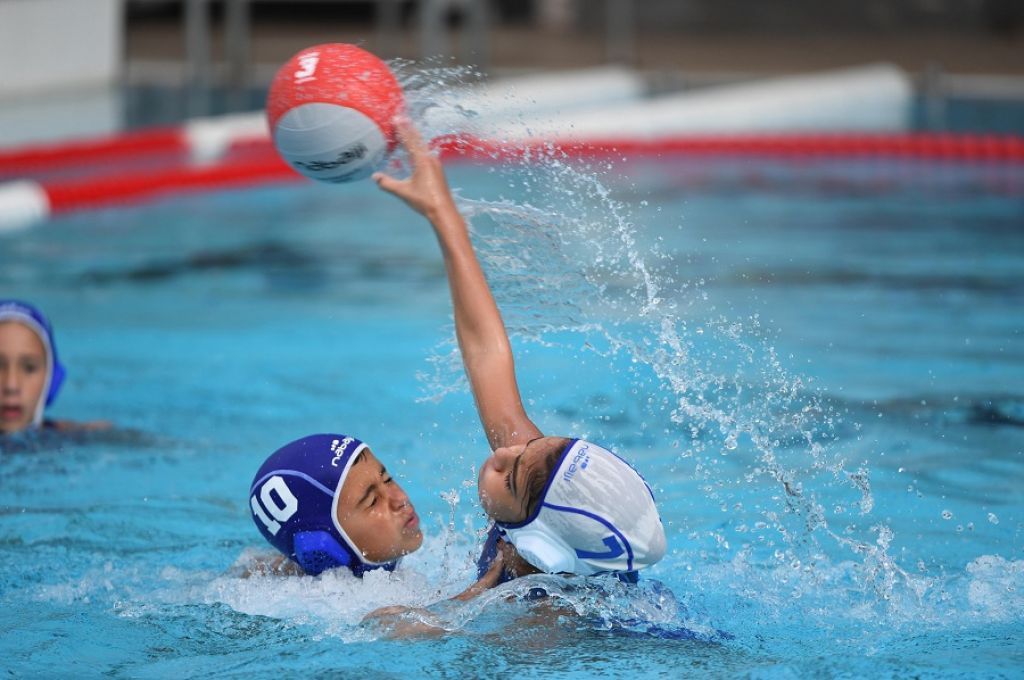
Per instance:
{"type": "Point", "coordinates": [331, 109]}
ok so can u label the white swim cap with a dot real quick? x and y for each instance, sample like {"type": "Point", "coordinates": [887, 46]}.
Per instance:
{"type": "Point", "coordinates": [596, 514]}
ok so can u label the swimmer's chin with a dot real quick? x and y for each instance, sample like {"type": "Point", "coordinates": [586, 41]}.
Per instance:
{"type": "Point", "coordinates": [485, 501]}
{"type": "Point", "coordinates": [413, 542]}
{"type": "Point", "coordinates": [417, 538]}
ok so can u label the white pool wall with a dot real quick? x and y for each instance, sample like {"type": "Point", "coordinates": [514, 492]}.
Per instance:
{"type": "Point", "coordinates": [49, 45]}
{"type": "Point", "coordinates": [872, 98]}
{"type": "Point", "coordinates": [61, 63]}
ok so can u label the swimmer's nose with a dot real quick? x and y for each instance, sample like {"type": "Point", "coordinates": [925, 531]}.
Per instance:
{"type": "Point", "coordinates": [502, 458]}
{"type": "Point", "coordinates": [9, 381]}
{"type": "Point", "coordinates": [398, 498]}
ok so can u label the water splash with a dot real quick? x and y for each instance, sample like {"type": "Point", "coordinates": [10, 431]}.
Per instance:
{"type": "Point", "coordinates": [434, 94]}
{"type": "Point", "coordinates": [335, 603]}
{"type": "Point", "coordinates": [747, 595]}
{"type": "Point", "coordinates": [571, 270]}
{"type": "Point", "coordinates": [566, 267]}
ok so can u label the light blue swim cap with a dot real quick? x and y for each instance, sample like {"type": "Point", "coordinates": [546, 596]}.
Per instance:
{"type": "Point", "coordinates": [294, 503]}
{"type": "Point", "coordinates": [26, 314]}
{"type": "Point", "coordinates": [596, 514]}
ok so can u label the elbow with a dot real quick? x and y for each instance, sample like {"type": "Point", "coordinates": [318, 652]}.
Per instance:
{"type": "Point", "coordinates": [489, 364]}
{"type": "Point", "coordinates": [494, 353]}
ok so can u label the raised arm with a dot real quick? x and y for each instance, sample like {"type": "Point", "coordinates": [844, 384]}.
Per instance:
{"type": "Point", "coordinates": [486, 353]}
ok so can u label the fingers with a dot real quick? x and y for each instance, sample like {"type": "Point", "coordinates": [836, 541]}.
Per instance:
{"type": "Point", "coordinates": [492, 576]}
{"type": "Point", "coordinates": [496, 564]}
{"type": "Point", "coordinates": [386, 182]}
{"type": "Point", "coordinates": [409, 135]}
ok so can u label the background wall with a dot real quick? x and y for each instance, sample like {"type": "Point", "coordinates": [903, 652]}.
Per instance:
{"type": "Point", "coordinates": [50, 44]}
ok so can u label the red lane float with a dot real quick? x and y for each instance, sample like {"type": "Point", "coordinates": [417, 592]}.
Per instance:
{"type": "Point", "coordinates": [46, 157]}
{"type": "Point", "coordinates": [24, 202]}
{"type": "Point", "coordinates": [118, 189]}
{"type": "Point", "coordinates": [211, 139]}
{"type": "Point", "coordinates": [249, 159]}
{"type": "Point", "coordinates": [199, 140]}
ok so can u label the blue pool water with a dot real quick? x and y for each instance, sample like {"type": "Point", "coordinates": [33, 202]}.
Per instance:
{"type": "Point", "coordinates": [818, 365]}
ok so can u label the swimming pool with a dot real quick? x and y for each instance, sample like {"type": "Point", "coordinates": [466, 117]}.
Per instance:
{"type": "Point", "coordinates": [817, 364]}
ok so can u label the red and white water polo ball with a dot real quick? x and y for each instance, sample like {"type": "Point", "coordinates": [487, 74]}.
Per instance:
{"type": "Point", "coordinates": [331, 109]}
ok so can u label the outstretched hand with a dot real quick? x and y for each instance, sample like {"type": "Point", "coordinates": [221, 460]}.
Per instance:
{"type": "Point", "coordinates": [426, 191]}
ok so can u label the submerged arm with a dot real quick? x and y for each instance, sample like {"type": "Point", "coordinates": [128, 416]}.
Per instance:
{"type": "Point", "coordinates": [399, 621]}
{"type": "Point", "coordinates": [483, 342]}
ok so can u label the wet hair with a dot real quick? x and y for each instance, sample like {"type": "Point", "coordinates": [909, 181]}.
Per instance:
{"type": "Point", "coordinates": [538, 475]}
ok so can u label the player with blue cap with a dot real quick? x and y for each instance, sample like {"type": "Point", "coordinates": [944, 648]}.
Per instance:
{"type": "Point", "coordinates": [566, 505]}
{"type": "Point", "coordinates": [325, 501]}
{"type": "Point", "coordinates": [30, 371]}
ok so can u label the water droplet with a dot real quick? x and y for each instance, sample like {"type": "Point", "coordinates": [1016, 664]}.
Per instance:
{"type": "Point", "coordinates": [946, 514]}
{"type": "Point", "coordinates": [992, 518]}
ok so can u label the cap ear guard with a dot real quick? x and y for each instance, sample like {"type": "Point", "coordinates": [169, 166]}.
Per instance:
{"type": "Point", "coordinates": [542, 551]}
{"type": "Point", "coordinates": [56, 380]}
{"type": "Point", "coordinates": [318, 551]}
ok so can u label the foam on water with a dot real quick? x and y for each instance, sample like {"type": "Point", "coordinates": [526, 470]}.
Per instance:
{"type": "Point", "coordinates": [336, 603]}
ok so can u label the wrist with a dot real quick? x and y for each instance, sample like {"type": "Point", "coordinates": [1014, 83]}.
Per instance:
{"type": "Point", "coordinates": [448, 225]}
{"type": "Point", "coordinates": [441, 212]}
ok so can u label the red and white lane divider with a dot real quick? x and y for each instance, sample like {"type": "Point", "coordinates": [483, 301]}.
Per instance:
{"type": "Point", "coordinates": [25, 202]}
{"type": "Point", "coordinates": [195, 151]}
{"type": "Point", "coordinates": [201, 140]}
{"type": "Point", "coordinates": [22, 203]}
{"type": "Point", "coordinates": [236, 152]}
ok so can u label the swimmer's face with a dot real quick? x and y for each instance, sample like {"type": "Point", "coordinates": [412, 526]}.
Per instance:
{"type": "Point", "coordinates": [22, 375]}
{"type": "Point", "coordinates": [375, 512]}
{"type": "Point", "coordinates": [513, 477]}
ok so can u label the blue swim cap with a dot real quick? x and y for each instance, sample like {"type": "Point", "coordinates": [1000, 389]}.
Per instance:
{"type": "Point", "coordinates": [294, 503]}
{"type": "Point", "coordinates": [24, 313]}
